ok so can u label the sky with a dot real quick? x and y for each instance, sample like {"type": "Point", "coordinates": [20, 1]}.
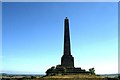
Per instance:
{"type": "Point", "coordinates": [33, 34]}
{"type": "Point", "coordinates": [60, 0]}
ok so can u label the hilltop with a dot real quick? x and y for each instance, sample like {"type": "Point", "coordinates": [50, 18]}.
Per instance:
{"type": "Point", "coordinates": [57, 77]}
{"type": "Point", "coordinates": [77, 77]}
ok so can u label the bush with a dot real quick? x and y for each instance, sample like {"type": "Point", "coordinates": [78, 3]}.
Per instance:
{"type": "Point", "coordinates": [92, 70]}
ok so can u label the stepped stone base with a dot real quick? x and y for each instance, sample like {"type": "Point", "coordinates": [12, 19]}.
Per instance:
{"type": "Point", "coordinates": [66, 71]}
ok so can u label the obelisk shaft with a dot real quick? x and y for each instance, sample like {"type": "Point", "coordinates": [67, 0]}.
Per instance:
{"type": "Point", "coordinates": [66, 37]}
{"type": "Point", "coordinates": [67, 60]}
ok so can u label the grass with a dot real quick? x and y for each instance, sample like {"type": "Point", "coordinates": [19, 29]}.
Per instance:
{"type": "Point", "coordinates": [74, 77]}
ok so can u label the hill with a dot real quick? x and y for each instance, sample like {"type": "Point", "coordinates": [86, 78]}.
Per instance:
{"type": "Point", "coordinates": [74, 77]}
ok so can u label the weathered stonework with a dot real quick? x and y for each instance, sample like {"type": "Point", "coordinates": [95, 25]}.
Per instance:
{"type": "Point", "coordinates": [67, 60]}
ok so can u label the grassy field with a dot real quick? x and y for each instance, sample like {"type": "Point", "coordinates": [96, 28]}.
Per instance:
{"type": "Point", "coordinates": [74, 77]}
{"type": "Point", "coordinates": [63, 77]}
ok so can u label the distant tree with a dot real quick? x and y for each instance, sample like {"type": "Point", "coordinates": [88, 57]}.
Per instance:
{"type": "Point", "coordinates": [3, 74]}
{"type": "Point", "coordinates": [119, 77]}
{"type": "Point", "coordinates": [92, 70]}
{"type": "Point", "coordinates": [51, 70]}
{"type": "Point", "coordinates": [32, 77]}
{"type": "Point", "coordinates": [48, 71]}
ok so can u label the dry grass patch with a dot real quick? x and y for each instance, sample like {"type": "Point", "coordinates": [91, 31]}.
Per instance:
{"type": "Point", "coordinates": [75, 76]}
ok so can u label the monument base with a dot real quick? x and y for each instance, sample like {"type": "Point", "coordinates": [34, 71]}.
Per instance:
{"type": "Point", "coordinates": [67, 61]}
{"type": "Point", "coordinates": [65, 71]}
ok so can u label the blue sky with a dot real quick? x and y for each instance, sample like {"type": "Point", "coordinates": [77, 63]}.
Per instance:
{"type": "Point", "coordinates": [32, 36]}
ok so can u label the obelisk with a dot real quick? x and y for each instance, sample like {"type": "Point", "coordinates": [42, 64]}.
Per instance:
{"type": "Point", "coordinates": [67, 60]}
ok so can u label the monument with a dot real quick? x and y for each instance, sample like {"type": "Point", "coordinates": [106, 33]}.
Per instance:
{"type": "Point", "coordinates": [67, 60]}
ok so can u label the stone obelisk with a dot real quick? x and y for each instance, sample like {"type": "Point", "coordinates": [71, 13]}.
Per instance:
{"type": "Point", "coordinates": [67, 60]}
